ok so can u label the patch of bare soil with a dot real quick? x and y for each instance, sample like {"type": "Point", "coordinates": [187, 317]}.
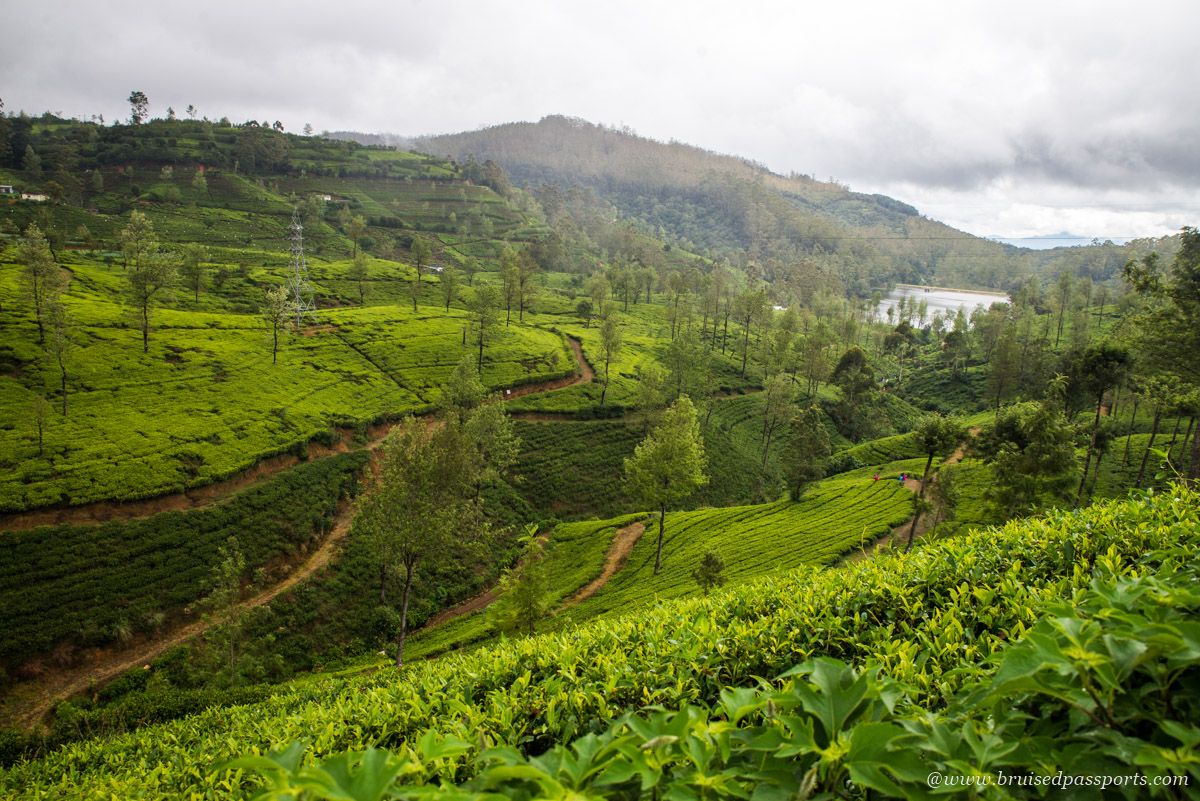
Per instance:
{"type": "Point", "coordinates": [614, 560]}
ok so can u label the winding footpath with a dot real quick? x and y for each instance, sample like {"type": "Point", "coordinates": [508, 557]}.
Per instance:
{"type": "Point", "coordinates": [30, 703]}
{"type": "Point", "coordinates": [899, 534]}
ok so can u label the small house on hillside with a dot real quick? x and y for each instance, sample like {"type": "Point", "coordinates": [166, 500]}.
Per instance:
{"type": "Point", "coordinates": [34, 196]}
{"type": "Point", "coordinates": [6, 189]}
{"type": "Point", "coordinates": [434, 268]}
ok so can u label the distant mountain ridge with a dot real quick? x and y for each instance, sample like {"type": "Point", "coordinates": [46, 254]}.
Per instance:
{"type": "Point", "coordinates": [735, 209]}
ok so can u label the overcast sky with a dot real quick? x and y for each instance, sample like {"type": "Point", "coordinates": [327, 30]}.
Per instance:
{"type": "Point", "coordinates": [1011, 119]}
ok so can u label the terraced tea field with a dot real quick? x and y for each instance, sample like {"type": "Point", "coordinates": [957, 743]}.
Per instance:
{"type": "Point", "coordinates": [206, 401]}
{"type": "Point", "coordinates": [835, 516]}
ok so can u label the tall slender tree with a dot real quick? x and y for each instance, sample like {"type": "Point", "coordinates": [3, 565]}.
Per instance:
{"type": "Point", "coordinates": [42, 282]}
{"type": "Point", "coordinates": [668, 465]}
{"type": "Point", "coordinates": [420, 504]}
{"type": "Point", "coordinates": [150, 274]}
{"type": "Point", "coordinates": [611, 340]}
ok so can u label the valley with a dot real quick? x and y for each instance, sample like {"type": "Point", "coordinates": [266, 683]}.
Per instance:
{"type": "Point", "coordinates": [576, 463]}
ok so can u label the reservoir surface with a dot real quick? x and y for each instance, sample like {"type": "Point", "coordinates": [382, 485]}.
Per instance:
{"type": "Point", "coordinates": [949, 301]}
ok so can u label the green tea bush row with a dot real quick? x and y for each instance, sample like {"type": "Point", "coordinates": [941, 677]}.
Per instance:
{"type": "Point", "coordinates": [1098, 700]}
{"type": "Point", "coordinates": [91, 584]}
{"type": "Point", "coordinates": [930, 620]}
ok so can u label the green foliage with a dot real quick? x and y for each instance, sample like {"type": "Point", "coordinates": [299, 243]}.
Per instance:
{"type": "Point", "coordinates": [708, 573]}
{"type": "Point", "coordinates": [420, 502]}
{"type": "Point", "coordinates": [931, 620]}
{"type": "Point", "coordinates": [76, 584]}
{"type": "Point", "coordinates": [669, 464]}
{"type": "Point", "coordinates": [806, 449]}
{"type": "Point", "coordinates": [1031, 450]}
{"type": "Point", "coordinates": [524, 590]}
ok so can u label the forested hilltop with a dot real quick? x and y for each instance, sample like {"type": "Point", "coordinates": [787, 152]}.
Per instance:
{"type": "Point", "coordinates": [514, 471]}
{"type": "Point", "coordinates": [730, 208]}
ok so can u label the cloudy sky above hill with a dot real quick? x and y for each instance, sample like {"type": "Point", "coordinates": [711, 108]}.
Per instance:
{"type": "Point", "coordinates": [1020, 119]}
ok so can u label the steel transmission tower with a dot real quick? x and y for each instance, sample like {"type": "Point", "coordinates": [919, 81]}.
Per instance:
{"type": "Point", "coordinates": [299, 290]}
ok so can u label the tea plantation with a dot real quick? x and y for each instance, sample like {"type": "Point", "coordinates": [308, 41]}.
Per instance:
{"type": "Point", "coordinates": [937, 621]}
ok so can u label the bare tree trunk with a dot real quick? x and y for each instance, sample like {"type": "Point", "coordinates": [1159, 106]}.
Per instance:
{"type": "Point", "coordinates": [1129, 432]}
{"type": "Point", "coordinates": [1095, 477]}
{"type": "Point", "coordinates": [404, 616]}
{"type": "Point", "coordinates": [767, 449]}
{"type": "Point", "coordinates": [1186, 437]}
{"type": "Point", "coordinates": [1193, 472]}
{"type": "Point", "coordinates": [1087, 461]}
{"type": "Point", "coordinates": [661, 524]}
{"type": "Point", "coordinates": [1174, 436]}
{"type": "Point", "coordinates": [1153, 434]}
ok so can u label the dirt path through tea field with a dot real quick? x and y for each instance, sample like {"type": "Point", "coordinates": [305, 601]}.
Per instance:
{"type": "Point", "coordinates": [62, 684]}
{"type": "Point", "coordinates": [29, 703]}
{"type": "Point", "coordinates": [261, 471]}
{"type": "Point", "coordinates": [899, 534]}
{"type": "Point", "coordinates": [614, 560]}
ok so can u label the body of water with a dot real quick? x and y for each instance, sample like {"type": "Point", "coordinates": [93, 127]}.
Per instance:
{"type": "Point", "coordinates": [949, 301]}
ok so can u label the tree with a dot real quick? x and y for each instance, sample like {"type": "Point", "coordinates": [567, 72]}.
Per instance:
{"type": "Point", "coordinates": [611, 341]}
{"type": "Point", "coordinates": [1062, 296]}
{"type": "Point", "coordinates": [358, 274]}
{"type": "Point", "coordinates": [420, 503]}
{"type": "Point", "coordinates": [274, 312]}
{"type": "Point", "coordinates": [944, 493]}
{"type": "Point", "coordinates": [32, 163]}
{"type": "Point", "coordinates": [649, 394]}
{"type": "Point", "coordinates": [497, 446]}
{"type": "Point", "coordinates": [1032, 452]}
{"type": "Point", "coordinates": [668, 465]}
{"type": "Point", "coordinates": [150, 275]}
{"type": "Point", "coordinates": [709, 572]}
{"type": "Point", "coordinates": [483, 308]}
{"type": "Point", "coordinates": [1169, 331]}
{"type": "Point", "coordinates": [855, 378]}
{"type": "Point", "coordinates": [584, 309]}
{"type": "Point", "coordinates": [1101, 368]}
{"type": "Point", "coordinates": [527, 270]}
{"type": "Point", "coordinates": [224, 597]}
{"type": "Point", "coordinates": [448, 285]}
{"type": "Point", "coordinates": [470, 268]}
{"type": "Point", "coordinates": [355, 229]}
{"type": "Point", "coordinates": [508, 280]}
{"type": "Point", "coordinates": [420, 253]}
{"type": "Point", "coordinates": [42, 282]}
{"type": "Point", "coordinates": [60, 343]}
{"type": "Point", "coordinates": [524, 591]}
{"type": "Point", "coordinates": [463, 391]}
{"type": "Point", "coordinates": [806, 451]}
{"type": "Point", "coordinates": [84, 235]}
{"type": "Point", "coordinates": [777, 401]}
{"type": "Point", "coordinates": [38, 414]}
{"type": "Point", "coordinates": [750, 305]}
{"type": "Point", "coordinates": [139, 107]}
{"type": "Point", "coordinates": [933, 434]}
{"type": "Point", "coordinates": [199, 182]}
{"type": "Point", "coordinates": [191, 267]}
{"type": "Point", "coordinates": [689, 367]}
{"type": "Point", "coordinates": [1005, 367]}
